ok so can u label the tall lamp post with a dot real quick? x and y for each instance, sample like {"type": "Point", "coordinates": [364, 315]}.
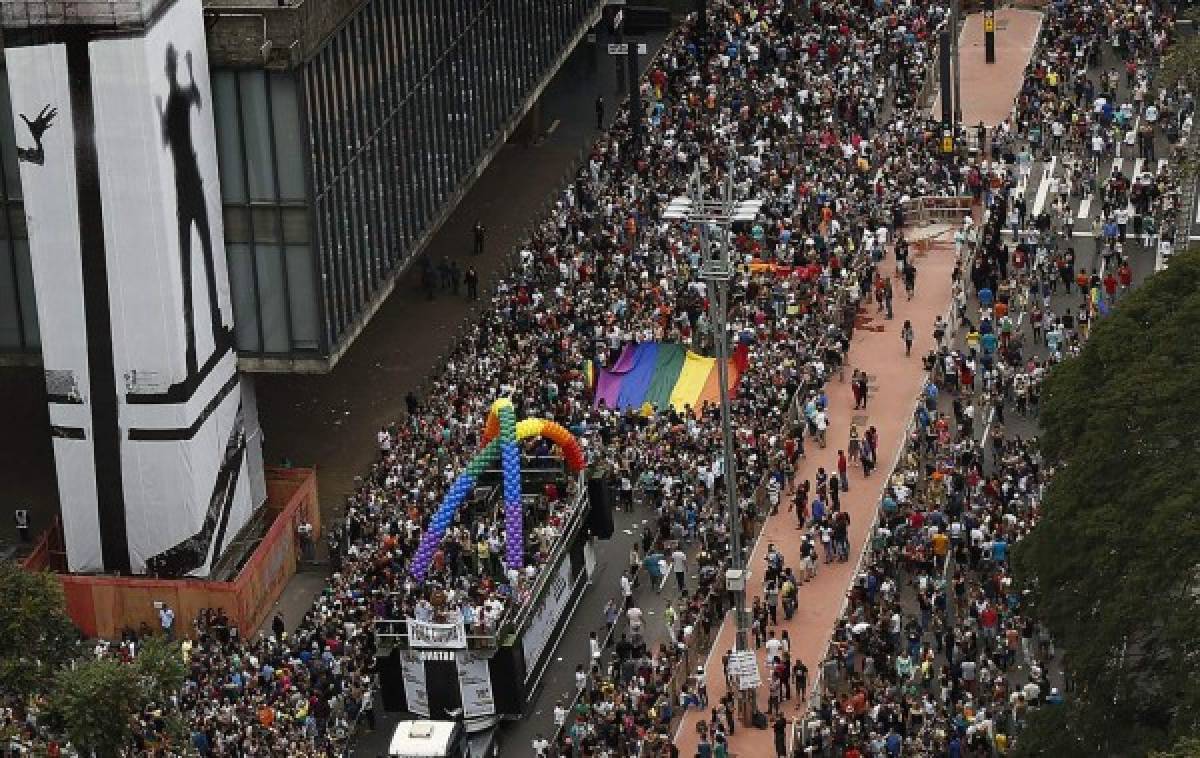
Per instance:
{"type": "Point", "coordinates": [717, 270]}
{"type": "Point", "coordinates": [955, 13]}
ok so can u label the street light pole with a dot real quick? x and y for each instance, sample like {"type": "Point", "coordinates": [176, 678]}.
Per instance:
{"type": "Point", "coordinates": [717, 271]}
{"type": "Point", "coordinates": [955, 13]}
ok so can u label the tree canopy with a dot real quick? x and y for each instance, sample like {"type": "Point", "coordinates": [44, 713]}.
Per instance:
{"type": "Point", "coordinates": [94, 701]}
{"type": "Point", "coordinates": [36, 636]}
{"type": "Point", "coordinates": [1113, 568]}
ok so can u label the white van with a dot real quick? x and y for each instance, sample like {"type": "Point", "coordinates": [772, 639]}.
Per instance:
{"type": "Point", "coordinates": [429, 739]}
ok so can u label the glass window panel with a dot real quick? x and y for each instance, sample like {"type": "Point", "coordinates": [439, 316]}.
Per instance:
{"type": "Point", "coordinates": [266, 224]}
{"type": "Point", "coordinates": [368, 250]}
{"type": "Point", "coordinates": [363, 197]}
{"type": "Point", "coordinates": [16, 218]}
{"type": "Point", "coordinates": [245, 303]}
{"type": "Point", "coordinates": [383, 222]}
{"type": "Point", "coordinates": [302, 298]}
{"type": "Point", "coordinates": [341, 253]}
{"type": "Point", "coordinates": [318, 101]}
{"type": "Point", "coordinates": [295, 226]}
{"type": "Point", "coordinates": [256, 131]}
{"type": "Point", "coordinates": [272, 298]}
{"type": "Point", "coordinates": [25, 289]}
{"type": "Point", "coordinates": [326, 256]}
{"type": "Point", "coordinates": [289, 140]}
{"type": "Point", "coordinates": [229, 137]}
{"type": "Point", "coordinates": [237, 224]}
{"type": "Point", "coordinates": [10, 323]}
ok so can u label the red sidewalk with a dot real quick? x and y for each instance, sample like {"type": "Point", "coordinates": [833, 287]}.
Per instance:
{"type": "Point", "coordinates": [896, 382]}
{"type": "Point", "coordinates": [988, 90]}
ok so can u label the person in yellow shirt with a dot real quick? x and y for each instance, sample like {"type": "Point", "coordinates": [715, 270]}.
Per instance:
{"type": "Point", "coordinates": [973, 339]}
{"type": "Point", "coordinates": [1001, 743]}
{"type": "Point", "coordinates": [941, 546]}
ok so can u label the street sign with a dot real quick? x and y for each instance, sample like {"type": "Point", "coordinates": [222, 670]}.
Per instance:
{"type": "Point", "coordinates": [622, 48]}
{"type": "Point", "coordinates": [989, 24]}
{"type": "Point", "coordinates": [744, 667]}
{"type": "Point", "coordinates": [947, 144]}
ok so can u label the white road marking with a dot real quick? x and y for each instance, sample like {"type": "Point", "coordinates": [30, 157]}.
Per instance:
{"type": "Point", "coordinates": [1040, 199]}
{"type": "Point", "coordinates": [1085, 206]}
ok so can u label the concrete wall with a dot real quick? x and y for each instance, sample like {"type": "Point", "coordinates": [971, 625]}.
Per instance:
{"type": "Point", "coordinates": [236, 31]}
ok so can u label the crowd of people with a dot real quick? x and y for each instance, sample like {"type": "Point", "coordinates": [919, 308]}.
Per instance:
{"type": "Point", "coordinates": [811, 109]}
{"type": "Point", "coordinates": [1090, 102]}
{"type": "Point", "coordinates": [936, 653]}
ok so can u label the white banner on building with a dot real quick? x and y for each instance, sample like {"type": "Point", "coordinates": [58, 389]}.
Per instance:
{"type": "Point", "coordinates": [475, 685]}
{"type": "Point", "coordinates": [120, 174]}
{"type": "Point", "coordinates": [44, 120]}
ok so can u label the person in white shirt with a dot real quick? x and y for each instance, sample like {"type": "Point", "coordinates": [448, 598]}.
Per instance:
{"type": "Point", "coordinates": [774, 649]}
{"type": "Point", "coordinates": [166, 619]}
{"type": "Point", "coordinates": [540, 746]}
{"type": "Point", "coordinates": [679, 564]}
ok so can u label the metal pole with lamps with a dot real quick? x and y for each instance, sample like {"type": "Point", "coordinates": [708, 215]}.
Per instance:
{"type": "Point", "coordinates": [955, 13]}
{"type": "Point", "coordinates": [717, 270]}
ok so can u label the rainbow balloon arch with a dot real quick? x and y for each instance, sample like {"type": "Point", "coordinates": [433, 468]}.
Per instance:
{"type": "Point", "coordinates": [501, 435]}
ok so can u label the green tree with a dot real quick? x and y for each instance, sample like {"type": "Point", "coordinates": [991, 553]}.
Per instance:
{"type": "Point", "coordinates": [160, 669]}
{"type": "Point", "coordinates": [1179, 65]}
{"type": "Point", "coordinates": [1180, 68]}
{"type": "Point", "coordinates": [1112, 568]}
{"type": "Point", "coordinates": [1187, 747]}
{"type": "Point", "coordinates": [36, 636]}
{"type": "Point", "coordinates": [94, 702]}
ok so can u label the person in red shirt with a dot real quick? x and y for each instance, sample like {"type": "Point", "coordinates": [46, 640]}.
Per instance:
{"type": "Point", "coordinates": [1125, 276]}
{"type": "Point", "coordinates": [1110, 286]}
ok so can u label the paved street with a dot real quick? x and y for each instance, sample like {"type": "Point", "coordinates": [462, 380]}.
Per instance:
{"type": "Point", "coordinates": [510, 195]}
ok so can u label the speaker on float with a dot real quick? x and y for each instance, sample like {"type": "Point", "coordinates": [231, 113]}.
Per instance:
{"type": "Point", "coordinates": [391, 681]}
{"type": "Point", "coordinates": [600, 515]}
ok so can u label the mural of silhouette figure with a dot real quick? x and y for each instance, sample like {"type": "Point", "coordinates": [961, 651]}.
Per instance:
{"type": "Point", "coordinates": [176, 118]}
{"type": "Point", "coordinates": [37, 127]}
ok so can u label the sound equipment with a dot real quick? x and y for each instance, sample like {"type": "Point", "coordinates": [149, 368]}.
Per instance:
{"type": "Point", "coordinates": [391, 681]}
{"type": "Point", "coordinates": [600, 513]}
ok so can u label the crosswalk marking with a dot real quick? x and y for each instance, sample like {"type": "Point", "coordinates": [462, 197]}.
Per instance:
{"type": "Point", "coordinates": [1198, 208]}
{"type": "Point", "coordinates": [1085, 206]}
{"type": "Point", "coordinates": [1007, 232]}
{"type": "Point", "coordinates": [1137, 168]}
{"type": "Point", "coordinates": [1040, 200]}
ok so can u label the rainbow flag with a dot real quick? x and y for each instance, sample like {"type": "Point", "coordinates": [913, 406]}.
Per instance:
{"type": "Point", "coordinates": [659, 375]}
